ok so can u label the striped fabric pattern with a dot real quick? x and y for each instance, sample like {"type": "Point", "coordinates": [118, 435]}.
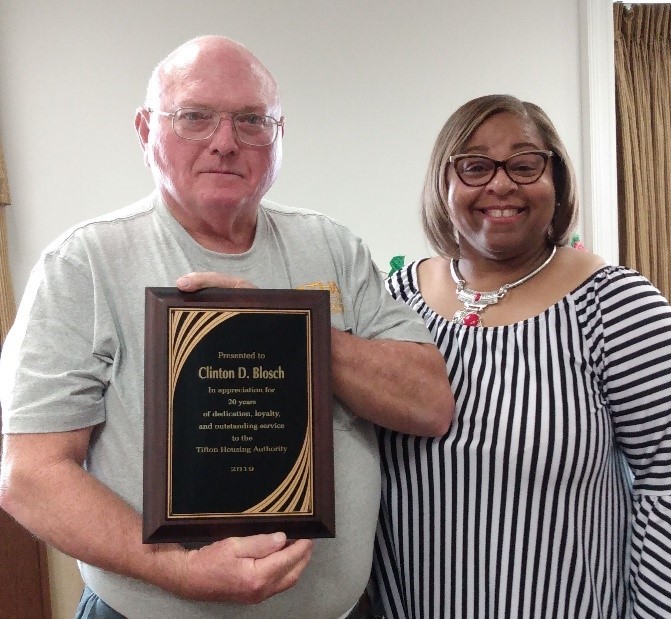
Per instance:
{"type": "Point", "coordinates": [550, 496]}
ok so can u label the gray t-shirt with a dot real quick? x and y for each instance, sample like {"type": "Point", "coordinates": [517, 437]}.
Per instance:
{"type": "Point", "coordinates": [74, 359]}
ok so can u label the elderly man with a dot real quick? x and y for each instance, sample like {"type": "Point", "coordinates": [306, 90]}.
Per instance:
{"type": "Point", "coordinates": [72, 388]}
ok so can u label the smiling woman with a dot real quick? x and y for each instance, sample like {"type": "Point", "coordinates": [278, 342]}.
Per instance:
{"type": "Point", "coordinates": [558, 403]}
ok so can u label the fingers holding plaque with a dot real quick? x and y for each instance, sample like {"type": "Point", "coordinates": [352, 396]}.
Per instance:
{"type": "Point", "coordinates": [238, 427]}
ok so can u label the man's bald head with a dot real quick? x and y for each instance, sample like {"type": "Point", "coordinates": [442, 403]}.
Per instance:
{"type": "Point", "coordinates": [214, 50]}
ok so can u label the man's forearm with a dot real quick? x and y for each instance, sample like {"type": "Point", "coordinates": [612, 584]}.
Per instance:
{"type": "Point", "coordinates": [399, 385]}
{"type": "Point", "coordinates": [69, 509]}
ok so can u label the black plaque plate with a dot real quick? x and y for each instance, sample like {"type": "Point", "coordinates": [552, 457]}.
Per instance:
{"type": "Point", "coordinates": [238, 434]}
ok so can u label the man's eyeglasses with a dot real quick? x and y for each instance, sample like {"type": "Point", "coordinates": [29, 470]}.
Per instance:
{"type": "Point", "coordinates": [522, 168]}
{"type": "Point", "coordinates": [198, 123]}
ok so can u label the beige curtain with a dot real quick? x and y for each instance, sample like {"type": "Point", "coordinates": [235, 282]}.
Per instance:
{"type": "Point", "coordinates": [643, 112]}
{"type": "Point", "coordinates": [7, 305]}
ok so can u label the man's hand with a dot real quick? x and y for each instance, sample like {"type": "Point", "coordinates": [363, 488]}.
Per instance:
{"type": "Point", "coordinates": [196, 281]}
{"type": "Point", "coordinates": [246, 570]}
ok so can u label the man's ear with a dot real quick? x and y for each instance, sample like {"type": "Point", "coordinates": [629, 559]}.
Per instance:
{"type": "Point", "coordinates": [142, 130]}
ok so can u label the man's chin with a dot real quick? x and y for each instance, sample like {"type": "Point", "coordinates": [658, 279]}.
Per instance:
{"type": "Point", "coordinates": [215, 206]}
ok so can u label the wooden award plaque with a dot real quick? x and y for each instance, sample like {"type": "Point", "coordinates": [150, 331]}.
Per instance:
{"type": "Point", "coordinates": [238, 434]}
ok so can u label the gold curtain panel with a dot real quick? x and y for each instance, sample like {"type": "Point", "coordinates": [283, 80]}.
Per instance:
{"type": "Point", "coordinates": [643, 100]}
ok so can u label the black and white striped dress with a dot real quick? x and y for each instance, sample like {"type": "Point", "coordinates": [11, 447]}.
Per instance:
{"type": "Point", "coordinates": [550, 496]}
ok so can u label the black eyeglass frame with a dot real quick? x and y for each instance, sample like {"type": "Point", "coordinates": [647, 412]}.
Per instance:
{"type": "Point", "coordinates": [545, 154]}
{"type": "Point", "coordinates": [233, 115]}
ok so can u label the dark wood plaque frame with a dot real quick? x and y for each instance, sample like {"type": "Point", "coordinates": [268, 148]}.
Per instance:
{"type": "Point", "coordinates": [160, 524]}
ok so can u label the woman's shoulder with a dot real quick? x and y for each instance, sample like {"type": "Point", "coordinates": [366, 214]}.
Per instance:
{"type": "Point", "coordinates": [431, 269]}
{"type": "Point", "coordinates": [576, 266]}
{"type": "Point", "coordinates": [582, 269]}
{"type": "Point", "coordinates": [612, 280]}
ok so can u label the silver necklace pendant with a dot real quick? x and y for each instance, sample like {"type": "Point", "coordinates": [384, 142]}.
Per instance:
{"type": "Point", "coordinates": [480, 299]}
{"type": "Point", "coordinates": [476, 302]}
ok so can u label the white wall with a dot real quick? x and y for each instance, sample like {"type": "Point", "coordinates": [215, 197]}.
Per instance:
{"type": "Point", "coordinates": [366, 86]}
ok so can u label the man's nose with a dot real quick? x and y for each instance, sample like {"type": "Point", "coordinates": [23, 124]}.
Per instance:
{"type": "Point", "coordinates": [225, 140]}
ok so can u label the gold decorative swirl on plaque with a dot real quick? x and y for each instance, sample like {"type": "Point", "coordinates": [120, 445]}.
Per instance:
{"type": "Point", "coordinates": [187, 328]}
{"type": "Point", "coordinates": [294, 494]}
